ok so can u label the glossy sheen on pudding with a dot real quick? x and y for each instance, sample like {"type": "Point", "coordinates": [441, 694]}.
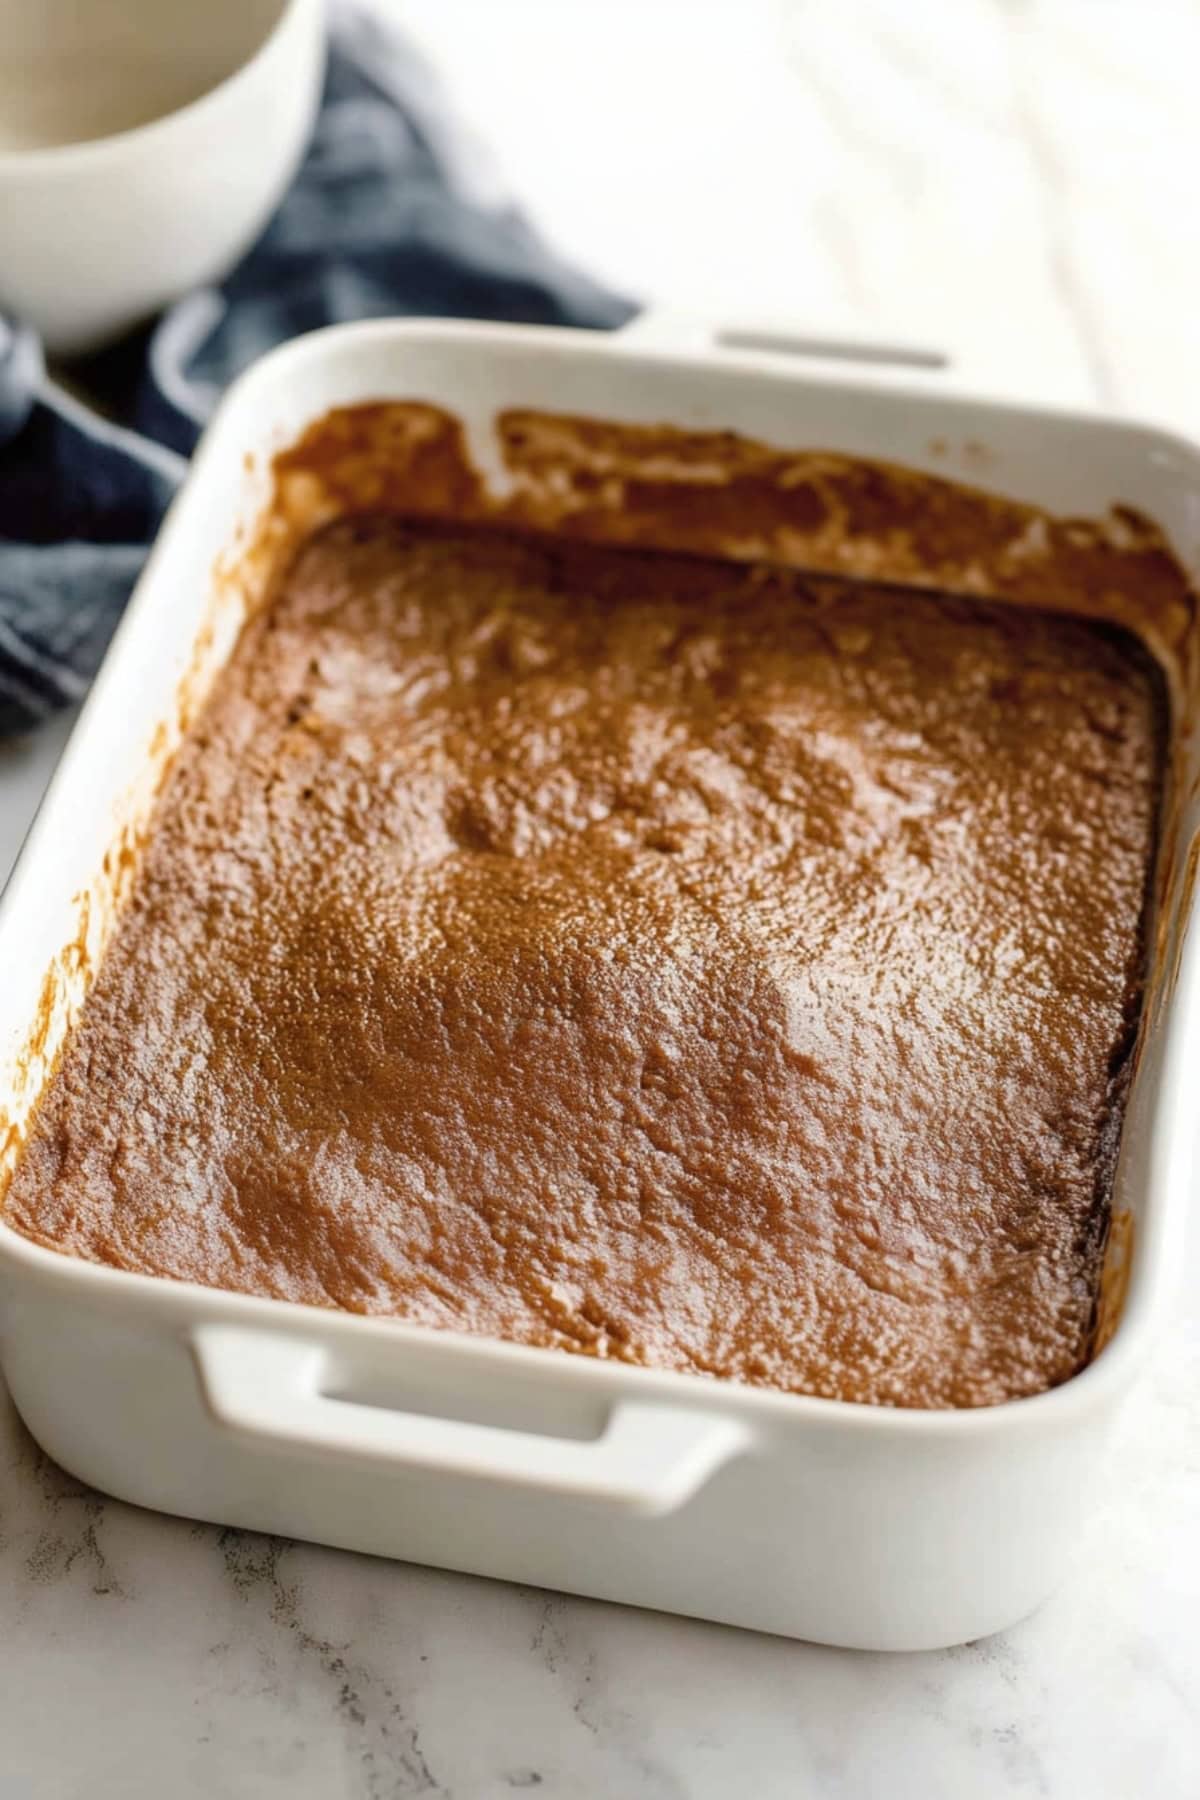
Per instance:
{"type": "Point", "coordinates": [673, 961]}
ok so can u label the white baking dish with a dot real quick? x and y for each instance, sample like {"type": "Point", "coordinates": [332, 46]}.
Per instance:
{"type": "Point", "coordinates": [847, 1524]}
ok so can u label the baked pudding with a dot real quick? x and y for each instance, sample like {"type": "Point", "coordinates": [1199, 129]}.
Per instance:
{"type": "Point", "coordinates": [702, 965]}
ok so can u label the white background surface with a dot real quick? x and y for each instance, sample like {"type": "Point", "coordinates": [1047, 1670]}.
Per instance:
{"type": "Point", "coordinates": [1014, 181]}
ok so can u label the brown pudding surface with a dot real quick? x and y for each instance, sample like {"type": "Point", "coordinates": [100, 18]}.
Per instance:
{"type": "Point", "coordinates": [698, 965]}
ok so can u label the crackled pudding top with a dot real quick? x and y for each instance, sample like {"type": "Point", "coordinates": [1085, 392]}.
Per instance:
{"type": "Point", "coordinates": [629, 953]}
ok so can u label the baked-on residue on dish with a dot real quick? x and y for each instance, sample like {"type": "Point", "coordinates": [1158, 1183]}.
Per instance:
{"type": "Point", "coordinates": [632, 953]}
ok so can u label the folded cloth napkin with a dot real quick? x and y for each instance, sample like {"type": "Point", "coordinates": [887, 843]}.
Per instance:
{"type": "Point", "coordinates": [392, 213]}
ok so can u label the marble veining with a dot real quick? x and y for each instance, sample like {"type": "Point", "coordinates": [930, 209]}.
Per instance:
{"type": "Point", "coordinates": [1012, 177]}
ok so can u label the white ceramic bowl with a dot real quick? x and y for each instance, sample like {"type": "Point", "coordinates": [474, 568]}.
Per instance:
{"type": "Point", "coordinates": [143, 146]}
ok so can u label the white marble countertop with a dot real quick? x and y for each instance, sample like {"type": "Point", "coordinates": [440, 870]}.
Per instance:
{"type": "Point", "coordinates": [1012, 180]}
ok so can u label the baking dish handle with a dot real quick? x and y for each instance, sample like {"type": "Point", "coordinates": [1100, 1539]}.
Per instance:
{"type": "Point", "coordinates": [885, 361]}
{"type": "Point", "coordinates": [650, 1457]}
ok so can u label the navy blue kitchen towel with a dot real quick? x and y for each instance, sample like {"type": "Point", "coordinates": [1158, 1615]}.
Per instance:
{"type": "Point", "coordinates": [392, 212]}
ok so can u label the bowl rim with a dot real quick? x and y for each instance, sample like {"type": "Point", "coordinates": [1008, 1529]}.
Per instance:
{"type": "Point", "coordinates": [66, 157]}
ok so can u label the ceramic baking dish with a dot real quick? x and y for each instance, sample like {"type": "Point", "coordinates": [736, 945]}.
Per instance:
{"type": "Point", "coordinates": [847, 1524]}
